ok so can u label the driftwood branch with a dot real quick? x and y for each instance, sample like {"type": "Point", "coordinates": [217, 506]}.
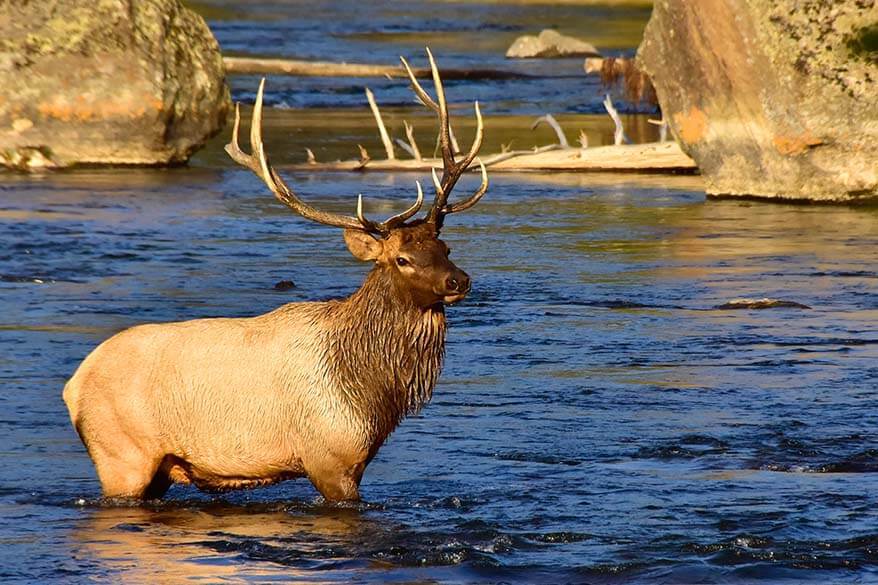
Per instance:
{"type": "Point", "coordinates": [364, 158]}
{"type": "Point", "coordinates": [551, 121]}
{"type": "Point", "coordinates": [252, 66]}
{"type": "Point", "coordinates": [385, 138]}
{"type": "Point", "coordinates": [663, 128]}
{"type": "Point", "coordinates": [510, 154]}
{"type": "Point", "coordinates": [406, 147]}
{"type": "Point", "coordinates": [653, 157]}
{"type": "Point", "coordinates": [454, 145]}
{"type": "Point", "coordinates": [409, 132]}
{"type": "Point", "coordinates": [583, 140]}
{"type": "Point", "coordinates": [619, 136]}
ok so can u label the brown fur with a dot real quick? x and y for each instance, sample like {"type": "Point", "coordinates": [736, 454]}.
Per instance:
{"type": "Point", "coordinates": [310, 389]}
{"type": "Point", "coordinates": [637, 85]}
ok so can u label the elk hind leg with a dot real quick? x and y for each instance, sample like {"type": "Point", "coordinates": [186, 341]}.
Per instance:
{"type": "Point", "coordinates": [126, 472]}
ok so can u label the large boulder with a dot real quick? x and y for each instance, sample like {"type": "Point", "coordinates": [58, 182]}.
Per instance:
{"type": "Point", "coordinates": [772, 98]}
{"type": "Point", "coordinates": [107, 82]}
{"type": "Point", "coordinates": [549, 44]}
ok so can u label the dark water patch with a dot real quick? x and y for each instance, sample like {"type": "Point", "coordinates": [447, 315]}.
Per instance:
{"type": "Point", "coordinates": [559, 537]}
{"type": "Point", "coordinates": [748, 550]}
{"type": "Point", "coordinates": [862, 462]}
{"type": "Point", "coordinates": [846, 274]}
{"type": "Point", "coordinates": [478, 546]}
{"type": "Point", "coordinates": [740, 304]}
{"type": "Point", "coordinates": [688, 447]}
{"type": "Point", "coordinates": [618, 304]}
{"type": "Point", "coordinates": [19, 279]}
{"type": "Point", "coordinates": [528, 457]}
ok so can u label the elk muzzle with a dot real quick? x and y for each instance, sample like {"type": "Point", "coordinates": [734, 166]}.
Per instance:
{"type": "Point", "coordinates": [457, 285]}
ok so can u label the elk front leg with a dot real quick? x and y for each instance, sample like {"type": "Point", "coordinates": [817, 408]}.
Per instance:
{"type": "Point", "coordinates": [335, 480]}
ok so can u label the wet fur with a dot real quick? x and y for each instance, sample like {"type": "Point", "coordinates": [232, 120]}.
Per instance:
{"type": "Point", "coordinates": [310, 389]}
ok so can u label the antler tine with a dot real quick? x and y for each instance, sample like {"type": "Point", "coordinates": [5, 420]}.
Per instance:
{"type": "Point", "coordinates": [472, 199]}
{"type": "Point", "coordinates": [477, 141]}
{"type": "Point", "coordinates": [259, 164]}
{"type": "Point", "coordinates": [444, 126]}
{"type": "Point", "coordinates": [451, 170]}
{"type": "Point", "coordinates": [408, 213]}
{"type": "Point", "coordinates": [419, 89]}
{"type": "Point", "coordinates": [234, 149]}
{"type": "Point", "coordinates": [384, 227]}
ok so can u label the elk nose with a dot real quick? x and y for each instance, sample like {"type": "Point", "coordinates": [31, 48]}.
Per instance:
{"type": "Point", "coordinates": [458, 283]}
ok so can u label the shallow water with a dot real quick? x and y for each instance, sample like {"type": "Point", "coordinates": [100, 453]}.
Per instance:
{"type": "Point", "coordinates": [599, 420]}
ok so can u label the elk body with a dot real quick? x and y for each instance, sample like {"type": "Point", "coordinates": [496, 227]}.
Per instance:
{"type": "Point", "coordinates": [310, 389]}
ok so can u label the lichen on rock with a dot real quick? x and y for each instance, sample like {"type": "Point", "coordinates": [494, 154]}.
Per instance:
{"type": "Point", "coordinates": [108, 81]}
{"type": "Point", "coordinates": [771, 98]}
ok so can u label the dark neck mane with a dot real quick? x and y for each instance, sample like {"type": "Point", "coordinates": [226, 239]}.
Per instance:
{"type": "Point", "coordinates": [384, 352]}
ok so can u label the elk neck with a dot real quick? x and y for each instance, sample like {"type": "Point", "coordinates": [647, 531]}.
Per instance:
{"type": "Point", "coordinates": [384, 352]}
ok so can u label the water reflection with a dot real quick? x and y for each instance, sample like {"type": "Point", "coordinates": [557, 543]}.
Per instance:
{"type": "Point", "coordinates": [208, 543]}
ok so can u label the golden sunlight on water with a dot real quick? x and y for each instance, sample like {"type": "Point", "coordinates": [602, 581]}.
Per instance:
{"type": "Point", "coordinates": [139, 545]}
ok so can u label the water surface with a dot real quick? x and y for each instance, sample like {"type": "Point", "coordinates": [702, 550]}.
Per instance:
{"type": "Point", "coordinates": [599, 420]}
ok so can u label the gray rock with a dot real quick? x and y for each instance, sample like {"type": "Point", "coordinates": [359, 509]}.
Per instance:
{"type": "Point", "coordinates": [550, 43]}
{"type": "Point", "coordinates": [765, 303]}
{"type": "Point", "coordinates": [107, 82]}
{"type": "Point", "coordinates": [771, 98]}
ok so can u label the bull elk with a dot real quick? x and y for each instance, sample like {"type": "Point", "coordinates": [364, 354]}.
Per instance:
{"type": "Point", "coordinates": [309, 389]}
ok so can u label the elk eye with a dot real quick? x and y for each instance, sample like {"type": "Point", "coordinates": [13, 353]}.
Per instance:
{"type": "Point", "coordinates": [402, 261]}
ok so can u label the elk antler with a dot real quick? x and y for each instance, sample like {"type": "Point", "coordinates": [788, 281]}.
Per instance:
{"type": "Point", "coordinates": [258, 163]}
{"type": "Point", "coordinates": [452, 170]}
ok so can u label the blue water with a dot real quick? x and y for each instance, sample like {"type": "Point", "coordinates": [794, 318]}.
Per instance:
{"type": "Point", "coordinates": [461, 34]}
{"type": "Point", "coordinates": [599, 418]}
{"type": "Point", "coordinates": [597, 421]}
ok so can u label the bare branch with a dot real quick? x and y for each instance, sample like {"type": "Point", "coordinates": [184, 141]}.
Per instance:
{"type": "Point", "coordinates": [409, 132]}
{"type": "Point", "coordinates": [619, 136]}
{"type": "Point", "coordinates": [454, 146]}
{"type": "Point", "coordinates": [583, 140]}
{"type": "Point", "coordinates": [364, 157]}
{"type": "Point", "coordinates": [514, 153]}
{"type": "Point", "coordinates": [405, 146]}
{"type": "Point", "coordinates": [551, 121]}
{"type": "Point", "coordinates": [663, 128]}
{"type": "Point", "coordinates": [385, 138]}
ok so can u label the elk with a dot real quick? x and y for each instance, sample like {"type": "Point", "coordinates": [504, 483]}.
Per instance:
{"type": "Point", "coordinates": [311, 389]}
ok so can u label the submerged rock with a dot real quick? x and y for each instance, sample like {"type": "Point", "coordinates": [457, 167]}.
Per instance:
{"type": "Point", "coordinates": [771, 98]}
{"type": "Point", "coordinates": [107, 82]}
{"type": "Point", "coordinates": [550, 43]}
{"type": "Point", "coordinates": [761, 304]}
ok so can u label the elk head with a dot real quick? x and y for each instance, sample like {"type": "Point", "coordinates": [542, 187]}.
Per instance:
{"type": "Point", "coordinates": [409, 250]}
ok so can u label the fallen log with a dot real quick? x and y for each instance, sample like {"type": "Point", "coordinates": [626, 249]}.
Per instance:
{"type": "Point", "coordinates": [254, 66]}
{"type": "Point", "coordinates": [661, 157]}
{"type": "Point", "coordinates": [652, 157]}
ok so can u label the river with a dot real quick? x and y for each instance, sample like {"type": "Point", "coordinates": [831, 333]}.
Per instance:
{"type": "Point", "coordinates": [602, 418]}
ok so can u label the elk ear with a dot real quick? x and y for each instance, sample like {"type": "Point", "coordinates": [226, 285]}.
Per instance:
{"type": "Point", "coordinates": [362, 245]}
